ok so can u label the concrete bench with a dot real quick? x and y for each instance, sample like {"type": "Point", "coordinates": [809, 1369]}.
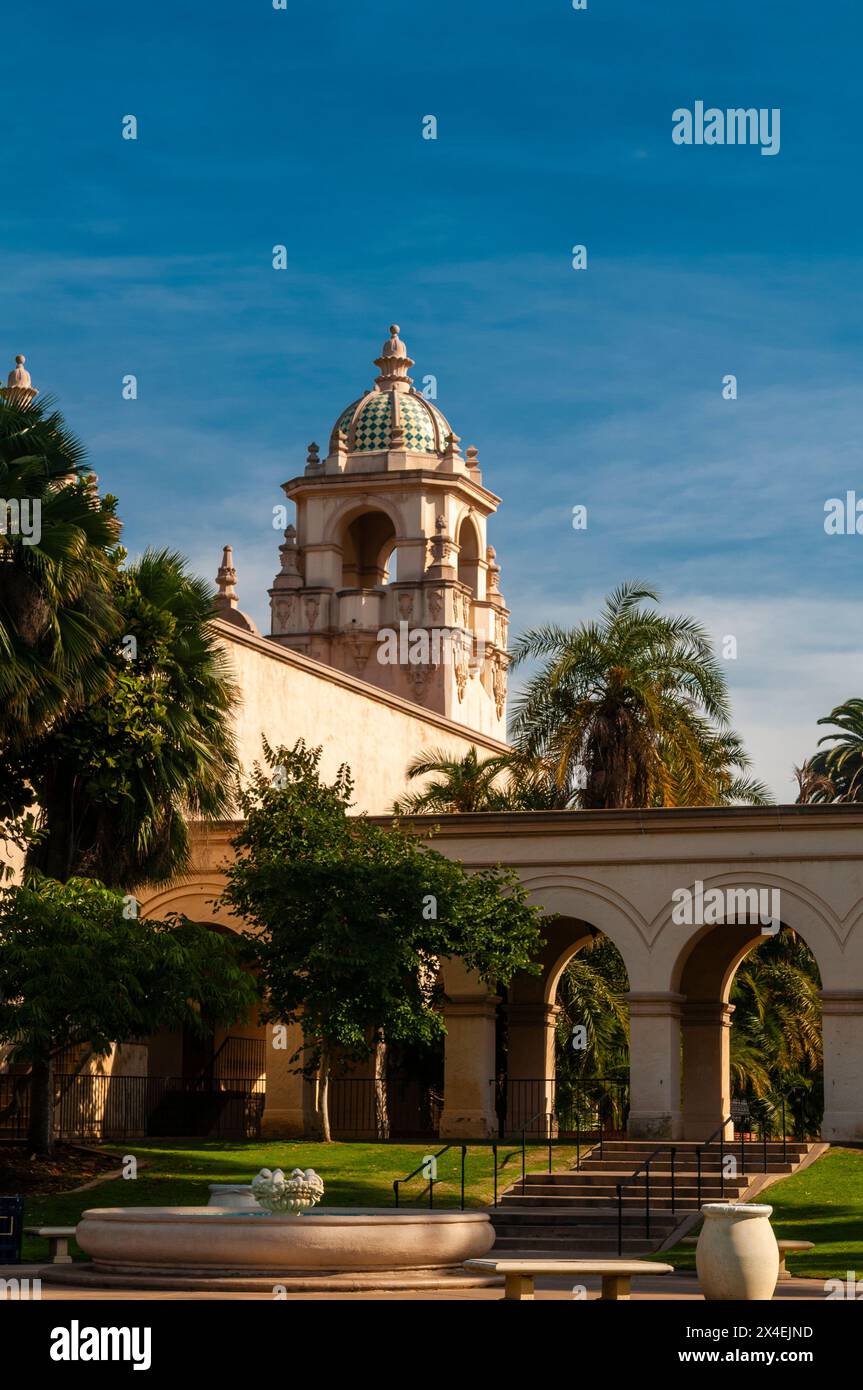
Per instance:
{"type": "Point", "coordinates": [785, 1247]}
{"type": "Point", "coordinates": [519, 1274]}
{"type": "Point", "coordinates": [58, 1238]}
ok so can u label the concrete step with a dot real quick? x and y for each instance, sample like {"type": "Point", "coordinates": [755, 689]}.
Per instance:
{"type": "Point", "coordinates": [640, 1149]}
{"type": "Point", "coordinates": [685, 1164]}
{"type": "Point", "coordinates": [683, 1204]}
{"type": "Point", "coordinates": [514, 1220]}
{"type": "Point", "coordinates": [609, 1177]}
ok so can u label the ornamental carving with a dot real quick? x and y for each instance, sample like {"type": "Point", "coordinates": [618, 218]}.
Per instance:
{"type": "Point", "coordinates": [499, 687]}
{"type": "Point", "coordinates": [436, 604]}
{"type": "Point", "coordinates": [461, 675]}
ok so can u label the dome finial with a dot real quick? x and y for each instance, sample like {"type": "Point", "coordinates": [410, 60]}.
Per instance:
{"type": "Point", "coordinates": [19, 390]}
{"type": "Point", "coordinates": [394, 363]}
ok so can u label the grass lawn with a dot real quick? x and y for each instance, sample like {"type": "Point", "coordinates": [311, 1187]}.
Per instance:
{"type": "Point", "coordinates": [824, 1204]}
{"type": "Point", "coordinates": [176, 1173]}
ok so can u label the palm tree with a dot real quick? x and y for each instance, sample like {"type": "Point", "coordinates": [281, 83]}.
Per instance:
{"type": "Point", "coordinates": [810, 784]}
{"type": "Point", "coordinates": [592, 994]}
{"type": "Point", "coordinates": [470, 783]}
{"type": "Point", "coordinates": [632, 710]}
{"type": "Point", "coordinates": [776, 1036]}
{"type": "Point", "coordinates": [836, 774]}
{"type": "Point", "coordinates": [56, 608]}
{"type": "Point", "coordinates": [118, 782]}
{"type": "Point", "coordinates": [460, 784]}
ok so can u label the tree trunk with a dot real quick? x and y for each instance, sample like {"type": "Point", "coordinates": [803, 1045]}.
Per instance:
{"type": "Point", "coordinates": [322, 1097]}
{"type": "Point", "coordinates": [41, 1133]}
{"type": "Point", "coordinates": [382, 1109]}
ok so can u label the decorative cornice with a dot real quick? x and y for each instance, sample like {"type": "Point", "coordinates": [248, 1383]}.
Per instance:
{"type": "Point", "coordinates": [323, 484]}
{"type": "Point", "coordinates": [672, 821]}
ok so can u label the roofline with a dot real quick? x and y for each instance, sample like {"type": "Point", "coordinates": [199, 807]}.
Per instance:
{"type": "Point", "coordinates": [266, 646]}
{"type": "Point", "coordinates": [653, 821]}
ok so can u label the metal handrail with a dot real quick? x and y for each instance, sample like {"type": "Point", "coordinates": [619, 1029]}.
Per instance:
{"type": "Point", "coordinates": [463, 1148]}
{"type": "Point", "coordinates": [718, 1133]}
{"type": "Point", "coordinates": [645, 1164]}
{"type": "Point", "coordinates": [421, 1169]}
{"type": "Point", "coordinates": [548, 1116]}
{"type": "Point", "coordinates": [770, 1108]}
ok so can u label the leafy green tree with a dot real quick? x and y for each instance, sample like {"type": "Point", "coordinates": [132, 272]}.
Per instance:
{"type": "Point", "coordinates": [119, 780]}
{"type": "Point", "coordinates": [631, 710]}
{"type": "Point", "coordinates": [74, 968]}
{"type": "Point", "coordinates": [350, 919]}
{"type": "Point", "coordinates": [56, 606]}
{"type": "Point", "coordinates": [836, 773]}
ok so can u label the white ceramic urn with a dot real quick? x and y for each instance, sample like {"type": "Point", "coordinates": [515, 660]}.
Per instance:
{"type": "Point", "coordinates": [737, 1256]}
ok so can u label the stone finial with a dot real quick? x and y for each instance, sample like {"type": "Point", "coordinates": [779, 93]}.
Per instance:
{"type": "Point", "coordinates": [471, 457]}
{"type": "Point", "coordinates": [493, 572]}
{"type": "Point", "coordinates": [289, 576]}
{"type": "Point", "coordinates": [226, 578]}
{"type": "Point", "coordinates": [19, 390]}
{"type": "Point", "coordinates": [225, 602]}
{"type": "Point", "coordinates": [452, 452]}
{"type": "Point", "coordinates": [394, 363]}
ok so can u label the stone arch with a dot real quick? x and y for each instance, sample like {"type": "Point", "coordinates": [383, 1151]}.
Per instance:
{"type": "Point", "coordinates": [192, 898]}
{"type": "Point", "coordinates": [470, 554]}
{"type": "Point", "coordinates": [353, 507]}
{"type": "Point", "coordinates": [702, 977]}
{"type": "Point", "coordinates": [594, 904]}
{"type": "Point", "coordinates": [237, 1050]}
{"type": "Point", "coordinates": [367, 544]}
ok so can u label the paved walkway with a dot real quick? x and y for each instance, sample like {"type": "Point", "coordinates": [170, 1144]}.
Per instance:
{"type": "Point", "coordinates": [671, 1286]}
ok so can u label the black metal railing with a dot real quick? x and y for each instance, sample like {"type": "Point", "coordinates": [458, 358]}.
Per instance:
{"type": "Point", "coordinates": [597, 1105]}
{"type": "Point", "coordinates": [633, 1177]}
{"type": "Point", "coordinates": [399, 1107]}
{"type": "Point", "coordinates": [428, 1170]}
{"type": "Point", "coordinates": [91, 1108]}
{"type": "Point", "coordinates": [238, 1058]}
{"type": "Point", "coordinates": [719, 1136]}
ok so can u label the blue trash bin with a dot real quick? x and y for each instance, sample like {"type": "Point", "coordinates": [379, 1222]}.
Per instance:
{"type": "Point", "coordinates": [11, 1229]}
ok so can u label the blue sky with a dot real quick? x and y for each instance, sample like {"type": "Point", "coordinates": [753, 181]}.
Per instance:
{"type": "Point", "coordinates": [601, 387]}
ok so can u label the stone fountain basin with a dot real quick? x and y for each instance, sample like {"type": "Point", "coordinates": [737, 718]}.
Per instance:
{"type": "Point", "coordinates": [333, 1239]}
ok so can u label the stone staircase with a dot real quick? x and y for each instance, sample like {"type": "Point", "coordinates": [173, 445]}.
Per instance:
{"type": "Point", "coordinates": [575, 1212]}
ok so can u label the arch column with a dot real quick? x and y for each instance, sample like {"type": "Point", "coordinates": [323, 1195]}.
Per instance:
{"type": "Point", "coordinates": [289, 1100]}
{"type": "Point", "coordinates": [530, 1070]}
{"type": "Point", "coordinates": [654, 1065]}
{"type": "Point", "coordinates": [842, 1028]}
{"type": "Point", "coordinates": [470, 1014]}
{"type": "Point", "coordinates": [706, 1067]}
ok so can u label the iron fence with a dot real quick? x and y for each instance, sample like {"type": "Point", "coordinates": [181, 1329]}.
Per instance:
{"type": "Point", "coordinates": [90, 1108]}
{"type": "Point", "coordinates": [546, 1107]}
{"type": "Point", "coordinates": [369, 1108]}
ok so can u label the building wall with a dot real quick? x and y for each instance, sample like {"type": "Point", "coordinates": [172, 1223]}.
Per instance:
{"type": "Point", "coordinates": [286, 696]}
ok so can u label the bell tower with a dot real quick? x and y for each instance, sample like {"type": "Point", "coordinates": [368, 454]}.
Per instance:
{"type": "Point", "coordinates": [388, 573]}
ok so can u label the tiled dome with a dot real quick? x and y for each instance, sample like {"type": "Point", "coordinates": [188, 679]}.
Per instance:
{"type": "Point", "coordinates": [367, 423]}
